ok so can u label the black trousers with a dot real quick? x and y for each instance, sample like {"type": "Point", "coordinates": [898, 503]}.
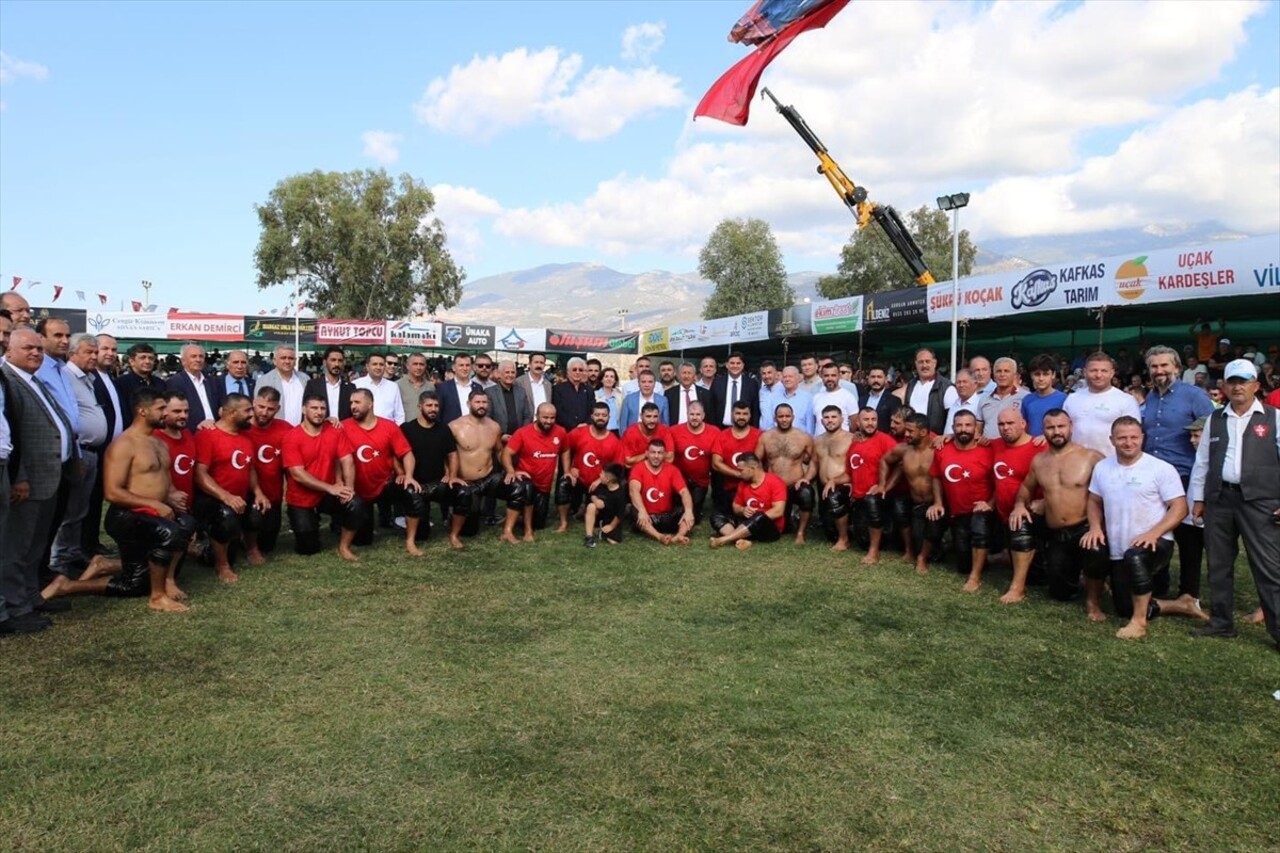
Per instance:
{"type": "Point", "coordinates": [1228, 519]}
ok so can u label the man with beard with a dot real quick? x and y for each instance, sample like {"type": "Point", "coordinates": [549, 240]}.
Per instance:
{"type": "Point", "coordinates": [479, 440]}
{"type": "Point", "coordinates": [831, 454]}
{"type": "Point", "coordinates": [146, 516]}
{"type": "Point", "coordinates": [267, 433]}
{"type": "Point", "coordinates": [435, 456]}
{"type": "Point", "coordinates": [1167, 411]}
{"type": "Point", "coordinates": [759, 507]}
{"type": "Point", "coordinates": [226, 483]}
{"type": "Point", "coordinates": [1094, 409]}
{"type": "Point", "coordinates": [695, 442]}
{"type": "Point", "coordinates": [383, 462]}
{"type": "Point", "coordinates": [1063, 475]}
{"type": "Point", "coordinates": [529, 461]}
{"type": "Point", "coordinates": [867, 502]}
{"type": "Point", "coordinates": [332, 385]}
{"type": "Point", "coordinates": [789, 455]}
{"type": "Point", "coordinates": [834, 395]}
{"type": "Point", "coordinates": [666, 375]}
{"type": "Point", "coordinates": [636, 438]}
{"type": "Point", "coordinates": [877, 396]}
{"type": "Point", "coordinates": [1143, 502]}
{"type": "Point", "coordinates": [1014, 453]}
{"type": "Point", "coordinates": [180, 444]}
{"type": "Point", "coordinates": [590, 447]}
{"type": "Point", "coordinates": [964, 490]}
{"type": "Point", "coordinates": [318, 459]}
{"type": "Point", "coordinates": [731, 443]}
{"type": "Point", "coordinates": [141, 374]}
{"type": "Point", "coordinates": [912, 461]}
{"type": "Point", "coordinates": [654, 485]}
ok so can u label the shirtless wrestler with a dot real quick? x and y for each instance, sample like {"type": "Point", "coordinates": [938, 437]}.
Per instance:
{"type": "Point", "coordinates": [479, 441]}
{"type": "Point", "coordinates": [830, 452]}
{"type": "Point", "coordinates": [788, 454]}
{"type": "Point", "coordinates": [911, 461]}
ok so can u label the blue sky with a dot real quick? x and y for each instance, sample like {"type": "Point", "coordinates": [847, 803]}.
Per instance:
{"type": "Point", "coordinates": [136, 138]}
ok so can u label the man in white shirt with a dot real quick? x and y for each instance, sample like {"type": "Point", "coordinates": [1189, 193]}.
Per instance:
{"type": "Point", "coordinates": [537, 386]}
{"type": "Point", "coordinates": [67, 556]}
{"type": "Point", "coordinates": [967, 399]}
{"type": "Point", "coordinates": [387, 402]}
{"type": "Point", "coordinates": [291, 385]}
{"type": "Point", "coordinates": [930, 394]}
{"type": "Point", "coordinates": [834, 395]}
{"type": "Point", "coordinates": [1095, 408]}
{"type": "Point", "coordinates": [1142, 501]}
{"type": "Point", "coordinates": [707, 369]}
{"type": "Point", "coordinates": [632, 385]}
{"type": "Point", "coordinates": [980, 367]}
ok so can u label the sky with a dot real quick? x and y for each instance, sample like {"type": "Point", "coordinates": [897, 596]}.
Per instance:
{"type": "Point", "coordinates": [136, 138]}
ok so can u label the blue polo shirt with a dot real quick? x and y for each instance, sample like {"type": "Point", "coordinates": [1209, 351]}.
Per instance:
{"type": "Point", "coordinates": [1034, 408]}
{"type": "Point", "coordinates": [1164, 420]}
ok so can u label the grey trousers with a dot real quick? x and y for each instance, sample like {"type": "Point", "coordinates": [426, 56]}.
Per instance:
{"type": "Point", "coordinates": [26, 535]}
{"type": "Point", "coordinates": [67, 556]}
{"type": "Point", "coordinates": [4, 517]}
{"type": "Point", "coordinates": [1227, 520]}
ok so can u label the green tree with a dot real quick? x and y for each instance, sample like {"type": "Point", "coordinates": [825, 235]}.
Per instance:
{"type": "Point", "coordinates": [361, 244]}
{"type": "Point", "coordinates": [742, 260]}
{"type": "Point", "coordinates": [870, 264]}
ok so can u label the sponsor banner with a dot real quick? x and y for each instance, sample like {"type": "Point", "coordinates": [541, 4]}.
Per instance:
{"type": "Point", "coordinates": [895, 308]}
{"type": "Point", "coordinates": [520, 339]}
{"type": "Point", "coordinates": [466, 336]}
{"type": "Point", "coordinates": [725, 330]}
{"type": "Point", "coordinates": [1164, 275]}
{"type": "Point", "coordinates": [204, 327]}
{"type": "Point", "coordinates": [835, 316]}
{"type": "Point", "coordinates": [356, 332]}
{"type": "Point", "coordinates": [654, 340]}
{"type": "Point", "coordinates": [413, 333]}
{"type": "Point", "coordinates": [77, 318]}
{"type": "Point", "coordinates": [791, 321]}
{"type": "Point", "coordinates": [564, 340]}
{"type": "Point", "coordinates": [279, 330]}
{"type": "Point", "coordinates": [129, 325]}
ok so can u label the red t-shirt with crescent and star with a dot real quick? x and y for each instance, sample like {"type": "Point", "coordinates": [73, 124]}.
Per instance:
{"type": "Point", "coordinates": [693, 452]}
{"type": "Point", "coordinates": [658, 491]}
{"type": "Point", "coordinates": [375, 451]}
{"type": "Point", "coordinates": [730, 447]}
{"type": "Point", "coordinates": [1011, 466]}
{"type": "Point", "coordinates": [863, 462]}
{"type": "Point", "coordinates": [536, 453]}
{"type": "Point", "coordinates": [591, 454]}
{"type": "Point", "coordinates": [268, 445]}
{"type": "Point", "coordinates": [635, 442]}
{"type": "Point", "coordinates": [965, 474]}
{"type": "Point", "coordinates": [770, 491]}
{"type": "Point", "coordinates": [319, 455]}
{"type": "Point", "coordinates": [182, 461]}
{"type": "Point", "coordinates": [229, 458]}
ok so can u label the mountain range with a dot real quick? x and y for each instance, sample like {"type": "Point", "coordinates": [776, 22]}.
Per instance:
{"type": "Point", "coordinates": [590, 296]}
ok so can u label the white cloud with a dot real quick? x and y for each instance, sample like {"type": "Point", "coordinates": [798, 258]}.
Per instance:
{"type": "Point", "coordinates": [463, 210]}
{"type": "Point", "coordinates": [641, 41]}
{"type": "Point", "coordinates": [493, 94]}
{"type": "Point", "coordinates": [1006, 101]}
{"type": "Point", "coordinates": [11, 68]}
{"type": "Point", "coordinates": [381, 147]}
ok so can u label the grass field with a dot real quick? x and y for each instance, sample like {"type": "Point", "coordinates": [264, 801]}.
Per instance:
{"type": "Point", "coordinates": [633, 697]}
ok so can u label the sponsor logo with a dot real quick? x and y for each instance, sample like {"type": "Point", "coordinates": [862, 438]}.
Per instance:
{"type": "Point", "coordinates": [1033, 290]}
{"type": "Point", "coordinates": [97, 322]}
{"type": "Point", "coordinates": [1269, 277]}
{"type": "Point", "coordinates": [452, 334]}
{"type": "Point", "coordinates": [872, 314]}
{"type": "Point", "coordinates": [1132, 278]}
{"type": "Point", "coordinates": [1260, 430]}
{"type": "Point", "coordinates": [590, 342]}
{"type": "Point", "coordinates": [512, 341]}
{"type": "Point", "coordinates": [415, 332]}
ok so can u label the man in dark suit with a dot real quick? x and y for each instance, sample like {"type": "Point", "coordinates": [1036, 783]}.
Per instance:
{"type": "Point", "coordinates": [236, 378]}
{"type": "Point", "coordinates": [37, 472]}
{"type": "Point", "coordinates": [877, 395]}
{"type": "Point", "coordinates": [141, 373]}
{"type": "Point", "coordinates": [204, 395]}
{"type": "Point", "coordinates": [573, 399]}
{"type": "Point", "coordinates": [685, 391]}
{"type": "Point", "coordinates": [332, 384]}
{"type": "Point", "coordinates": [454, 394]}
{"type": "Point", "coordinates": [507, 401]}
{"type": "Point", "coordinates": [117, 410]}
{"type": "Point", "coordinates": [731, 387]}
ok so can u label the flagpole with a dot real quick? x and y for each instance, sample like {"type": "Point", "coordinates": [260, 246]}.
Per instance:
{"type": "Point", "coordinates": [296, 332]}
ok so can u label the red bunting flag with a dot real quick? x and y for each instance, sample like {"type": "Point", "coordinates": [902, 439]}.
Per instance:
{"type": "Point", "coordinates": [102, 297]}
{"type": "Point", "coordinates": [57, 292]}
{"type": "Point", "coordinates": [729, 100]}
{"type": "Point", "coordinates": [173, 310]}
{"type": "Point", "coordinates": [17, 280]}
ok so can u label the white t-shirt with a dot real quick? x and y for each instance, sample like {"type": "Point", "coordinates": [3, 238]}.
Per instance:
{"type": "Point", "coordinates": [1134, 498]}
{"type": "Point", "coordinates": [1092, 415]}
{"type": "Point", "coordinates": [847, 402]}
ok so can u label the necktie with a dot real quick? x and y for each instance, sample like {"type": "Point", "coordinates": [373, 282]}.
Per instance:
{"type": "Point", "coordinates": [61, 415]}
{"type": "Point", "coordinates": [244, 389]}
{"type": "Point", "coordinates": [734, 398]}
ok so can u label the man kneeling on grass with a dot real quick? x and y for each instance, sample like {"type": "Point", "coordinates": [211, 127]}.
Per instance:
{"type": "Point", "coordinates": [759, 507]}
{"type": "Point", "coordinates": [655, 483]}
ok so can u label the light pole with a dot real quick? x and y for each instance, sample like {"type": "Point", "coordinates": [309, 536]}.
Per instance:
{"type": "Point", "coordinates": [953, 203]}
{"type": "Point", "coordinates": [146, 294]}
{"type": "Point", "coordinates": [622, 316]}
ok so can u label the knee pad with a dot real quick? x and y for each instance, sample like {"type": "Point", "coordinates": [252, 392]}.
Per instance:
{"type": "Point", "coordinates": [306, 530]}
{"type": "Point", "coordinates": [762, 527]}
{"type": "Point", "coordinates": [1138, 563]}
{"type": "Point", "coordinates": [564, 491]}
{"type": "Point", "coordinates": [804, 497]}
{"type": "Point", "coordinates": [720, 519]}
{"type": "Point", "coordinates": [1096, 563]}
{"type": "Point", "coordinates": [541, 505]}
{"type": "Point", "coordinates": [464, 498]}
{"type": "Point", "coordinates": [962, 533]}
{"type": "Point", "coordinates": [415, 503]}
{"type": "Point", "coordinates": [836, 504]}
{"type": "Point", "coordinates": [1023, 539]}
{"type": "Point", "coordinates": [186, 525]}
{"type": "Point", "coordinates": [981, 534]}
{"type": "Point", "coordinates": [352, 513]}
{"type": "Point", "coordinates": [874, 510]}
{"type": "Point", "coordinates": [224, 525]}
{"type": "Point", "coordinates": [900, 511]}
{"type": "Point", "coordinates": [519, 494]}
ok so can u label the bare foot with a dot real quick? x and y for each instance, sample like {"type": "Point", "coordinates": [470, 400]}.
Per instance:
{"type": "Point", "coordinates": [680, 540]}
{"type": "Point", "coordinates": [165, 604]}
{"type": "Point", "coordinates": [528, 537]}
{"type": "Point", "coordinates": [840, 545]}
{"type": "Point", "coordinates": [226, 575]}
{"type": "Point", "coordinates": [348, 555]}
{"type": "Point", "coordinates": [54, 589]}
{"type": "Point", "coordinates": [742, 544]}
{"type": "Point", "coordinates": [1255, 618]}
{"type": "Point", "coordinates": [1094, 612]}
{"type": "Point", "coordinates": [922, 566]}
{"type": "Point", "coordinates": [1184, 605]}
{"type": "Point", "coordinates": [509, 537]}
{"type": "Point", "coordinates": [1013, 596]}
{"type": "Point", "coordinates": [97, 566]}
{"type": "Point", "coordinates": [563, 528]}
{"type": "Point", "coordinates": [1132, 631]}
{"type": "Point", "coordinates": [799, 538]}
{"type": "Point", "coordinates": [172, 590]}
{"type": "Point", "coordinates": [455, 543]}
{"type": "Point", "coordinates": [255, 557]}
{"type": "Point", "coordinates": [665, 539]}
{"type": "Point", "coordinates": [715, 543]}
{"type": "Point", "coordinates": [909, 556]}
{"type": "Point", "coordinates": [972, 585]}
{"type": "Point", "coordinates": [870, 559]}
{"type": "Point", "coordinates": [412, 548]}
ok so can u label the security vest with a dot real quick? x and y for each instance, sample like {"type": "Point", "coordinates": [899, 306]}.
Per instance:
{"type": "Point", "coordinates": [1260, 459]}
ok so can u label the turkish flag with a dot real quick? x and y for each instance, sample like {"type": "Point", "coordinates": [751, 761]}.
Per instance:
{"type": "Point", "coordinates": [17, 280]}
{"type": "Point", "coordinates": [729, 100]}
